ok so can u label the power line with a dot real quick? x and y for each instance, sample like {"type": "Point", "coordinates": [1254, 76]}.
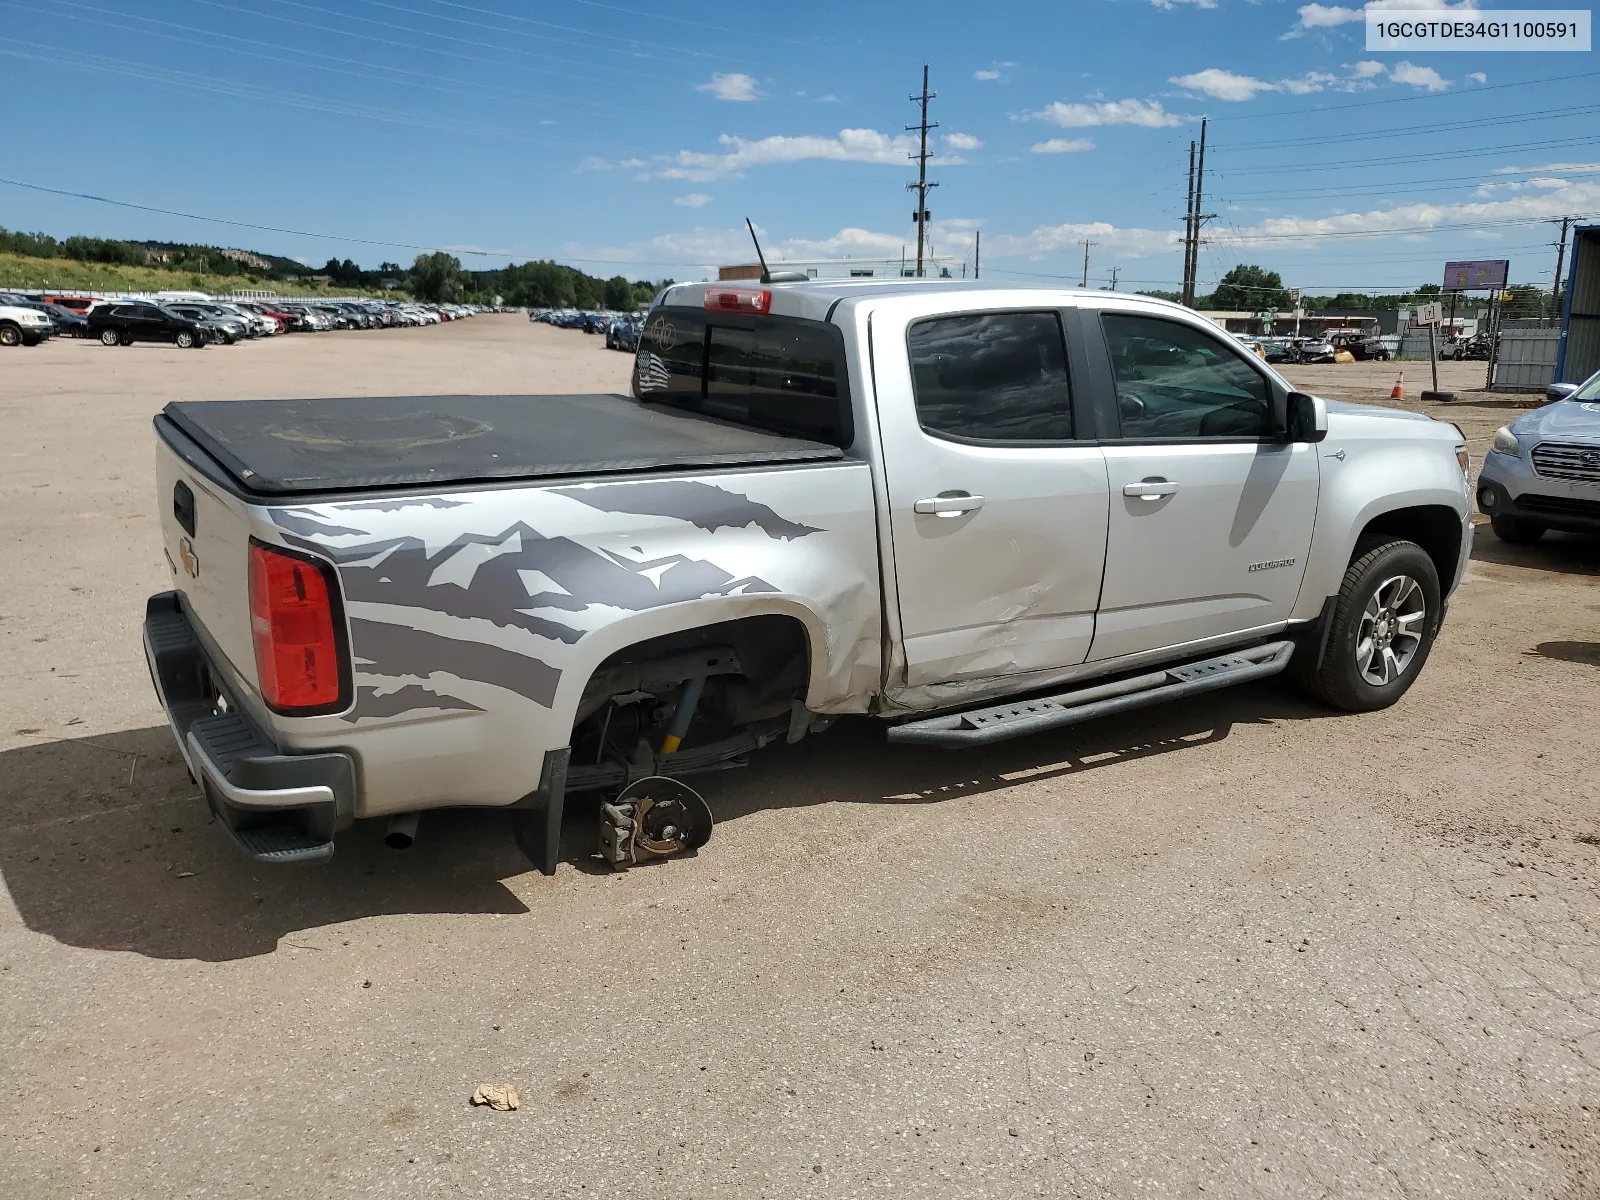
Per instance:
{"type": "Point", "coordinates": [296, 50]}
{"type": "Point", "coordinates": [1424, 156]}
{"type": "Point", "coordinates": [1408, 130]}
{"type": "Point", "coordinates": [1493, 87]}
{"type": "Point", "coordinates": [630, 46]}
{"type": "Point", "coordinates": [420, 79]}
{"type": "Point", "coordinates": [332, 237]}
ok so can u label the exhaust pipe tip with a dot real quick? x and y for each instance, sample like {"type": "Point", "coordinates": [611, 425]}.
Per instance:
{"type": "Point", "coordinates": [402, 831]}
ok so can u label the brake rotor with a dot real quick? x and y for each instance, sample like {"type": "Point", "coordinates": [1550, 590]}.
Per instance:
{"type": "Point", "coordinates": [656, 817]}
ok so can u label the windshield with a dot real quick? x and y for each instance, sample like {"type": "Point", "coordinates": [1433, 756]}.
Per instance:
{"type": "Point", "coordinates": [1590, 389]}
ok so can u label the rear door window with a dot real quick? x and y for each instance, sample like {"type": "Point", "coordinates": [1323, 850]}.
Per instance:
{"type": "Point", "coordinates": [992, 377]}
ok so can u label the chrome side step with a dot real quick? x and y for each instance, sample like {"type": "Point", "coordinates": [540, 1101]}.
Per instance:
{"type": "Point", "coordinates": [995, 724]}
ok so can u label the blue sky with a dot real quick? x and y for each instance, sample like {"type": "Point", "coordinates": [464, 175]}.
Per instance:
{"type": "Point", "coordinates": [634, 138]}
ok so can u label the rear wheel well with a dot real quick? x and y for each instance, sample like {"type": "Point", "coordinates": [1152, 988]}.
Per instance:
{"type": "Point", "coordinates": [1434, 527]}
{"type": "Point", "coordinates": [647, 679]}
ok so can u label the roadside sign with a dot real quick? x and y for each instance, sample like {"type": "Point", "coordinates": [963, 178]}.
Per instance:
{"type": "Point", "coordinates": [1429, 314]}
{"type": "Point", "coordinates": [1476, 275]}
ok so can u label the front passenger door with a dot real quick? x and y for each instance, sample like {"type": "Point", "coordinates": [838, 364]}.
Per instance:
{"type": "Point", "coordinates": [1211, 511]}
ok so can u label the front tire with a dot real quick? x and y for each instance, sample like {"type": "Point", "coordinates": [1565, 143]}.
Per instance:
{"type": "Point", "coordinates": [1384, 623]}
{"type": "Point", "coordinates": [1516, 530]}
{"type": "Point", "coordinates": [184, 340]}
{"type": "Point", "coordinates": [110, 337]}
{"type": "Point", "coordinates": [10, 335]}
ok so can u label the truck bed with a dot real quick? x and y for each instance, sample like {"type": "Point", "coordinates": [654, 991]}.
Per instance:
{"type": "Point", "coordinates": [299, 447]}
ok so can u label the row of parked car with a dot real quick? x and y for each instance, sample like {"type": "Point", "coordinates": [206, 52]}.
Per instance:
{"type": "Point", "coordinates": [621, 330]}
{"type": "Point", "coordinates": [1318, 348]}
{"type": "Point", "coordinates": [192, 320]}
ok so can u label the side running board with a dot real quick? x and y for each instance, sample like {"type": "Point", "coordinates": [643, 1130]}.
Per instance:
{"type": "Point", "coordinates": [980, 726]}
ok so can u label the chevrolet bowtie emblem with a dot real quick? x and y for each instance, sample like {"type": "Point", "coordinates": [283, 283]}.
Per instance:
{"type": "Point", "coordinates": [190, 560]}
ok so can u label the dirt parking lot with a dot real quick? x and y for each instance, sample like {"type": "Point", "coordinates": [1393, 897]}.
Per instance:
{"type": "Point", "coordinates": [1239, 946]}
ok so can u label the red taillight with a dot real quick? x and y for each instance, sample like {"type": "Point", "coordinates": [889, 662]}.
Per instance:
{"type": "Point", "coordinates": [748, 300]}
{"type": "Point", "coordinates": [295, 628]}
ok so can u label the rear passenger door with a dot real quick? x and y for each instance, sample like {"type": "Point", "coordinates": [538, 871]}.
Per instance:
{"type": "Point", "coordinates": [996, 494]}
{"type": "Point", "coordinates": [1211, 509]}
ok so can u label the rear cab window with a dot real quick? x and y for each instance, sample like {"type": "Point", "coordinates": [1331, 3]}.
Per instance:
{"type": "Point", "coordinates": [784, 375]}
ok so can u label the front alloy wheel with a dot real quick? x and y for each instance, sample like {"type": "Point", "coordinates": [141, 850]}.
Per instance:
{"type": "Point", "coordinates": [1380, 631]}
{"type": "Point", "coordinates": [10, 335]}
{"type": "Point", "coordinates": [185, 339]}
{"type": "Point", "coordinates": [1390, 633]}
{"type": "Point", "coordinates": [109, 337]}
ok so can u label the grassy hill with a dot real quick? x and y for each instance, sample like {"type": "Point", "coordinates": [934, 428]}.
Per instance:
{"type": "Point", "coordinates": [24, 271]}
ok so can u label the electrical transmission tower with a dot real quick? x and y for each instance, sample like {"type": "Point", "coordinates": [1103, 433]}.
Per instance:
{"type": "Point", "coordinates": [922, 185]}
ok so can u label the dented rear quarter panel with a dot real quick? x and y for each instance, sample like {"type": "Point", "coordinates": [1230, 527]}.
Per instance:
{"type": "Point", "coordinates": [476, 617]}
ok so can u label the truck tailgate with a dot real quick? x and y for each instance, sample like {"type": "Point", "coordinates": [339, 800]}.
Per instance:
{"type": "Point", "coordinates": [205, 535]}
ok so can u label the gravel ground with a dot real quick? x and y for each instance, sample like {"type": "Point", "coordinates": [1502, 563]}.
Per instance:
{"type": "Point", "coordinates": [1239, 946]}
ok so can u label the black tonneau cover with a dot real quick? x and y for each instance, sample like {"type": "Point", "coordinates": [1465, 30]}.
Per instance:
{"type": "Point", "coordinates": [293, 447]}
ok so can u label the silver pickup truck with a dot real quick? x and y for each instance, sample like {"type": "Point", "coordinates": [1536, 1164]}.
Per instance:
{"type": "Point", "coordinates": [972, 511]}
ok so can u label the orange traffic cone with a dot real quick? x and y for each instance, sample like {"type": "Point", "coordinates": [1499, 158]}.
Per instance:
{"type": "Point", "coordinates": [1398, 391]}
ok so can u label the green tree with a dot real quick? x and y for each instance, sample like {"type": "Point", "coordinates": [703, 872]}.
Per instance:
{"type": "Point", "coordinates": [436, 277]}
{"type": "Point", "coordinates": [1522, 300]}
{"type": "Point", "coordinates": [617, 295]}
{"type": "Point", "coordinates": [1250, 289]}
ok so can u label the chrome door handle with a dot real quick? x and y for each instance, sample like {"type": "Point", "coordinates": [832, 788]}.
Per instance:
{"type": "Point", "coordinates": [949, 505]}
{"type": "Point", "coordinates": [1149, 489]}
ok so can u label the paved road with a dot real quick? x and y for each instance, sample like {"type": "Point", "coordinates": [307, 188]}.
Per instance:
{"type": "Point", "coordinates": [1239, 945]}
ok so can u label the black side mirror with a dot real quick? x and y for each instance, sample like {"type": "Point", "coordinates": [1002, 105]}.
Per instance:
{"type": "Point", "coordinates": [1308, 418]}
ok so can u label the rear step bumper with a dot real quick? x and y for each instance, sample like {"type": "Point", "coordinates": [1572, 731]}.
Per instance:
{"type": "Point", "coordinates": [1018, 718]}
{"type": "Point", "coordinates": [278, 808]}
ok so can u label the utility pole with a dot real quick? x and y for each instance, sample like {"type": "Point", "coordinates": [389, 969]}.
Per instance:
{"type": "Point", "coordinates": [1086, 244]}
{"type": "Point", "coordinates": [1114, 273]}
{"type": "Point", "coordinates": [1200, 218]}
{"type": "Point", "coordinates": [977, 251]}
{"type": "Point", "coordinates": [1561, 254]}
{"type": "Point", "coordinates": [922, 185]}
{"type": "Point", "coordinates": [1186, 289]}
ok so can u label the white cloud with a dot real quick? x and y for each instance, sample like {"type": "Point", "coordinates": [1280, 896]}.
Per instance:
{"type": "Point", "coordinates": [733, 86]}
{"type": "Point", "coordinates": [739, 154]}
{"type": "Point", "coordinates": [962, 141]}
{"type": "Point", "coordinates": [547, 121]}
{"type": "Point", "coordinates": [993, 71]}
{"type": "Point", "coordinates": [692, 200]}
{"type": "Point", "coordinates": [1425, 78]}
{"type": "Point", "coordinates": [1227, 86]}
{"type": "Point", "coordinates": [1062, 146]}
{"type": "Point", "coordinates": [708, 248]}
{"type": "Point", "coordinates": [1551, 169]}
{"type": "Point", "coordinates": [1326, 16]}
{"type": "Point", "coordinates": [1223, 85]}
{"type": "Point", "coordinates": [1147, 113]}
{"type": "Point", "coordinates": [1170, 4]}
{"type": "Point", "coordinates": [1478, 77]}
